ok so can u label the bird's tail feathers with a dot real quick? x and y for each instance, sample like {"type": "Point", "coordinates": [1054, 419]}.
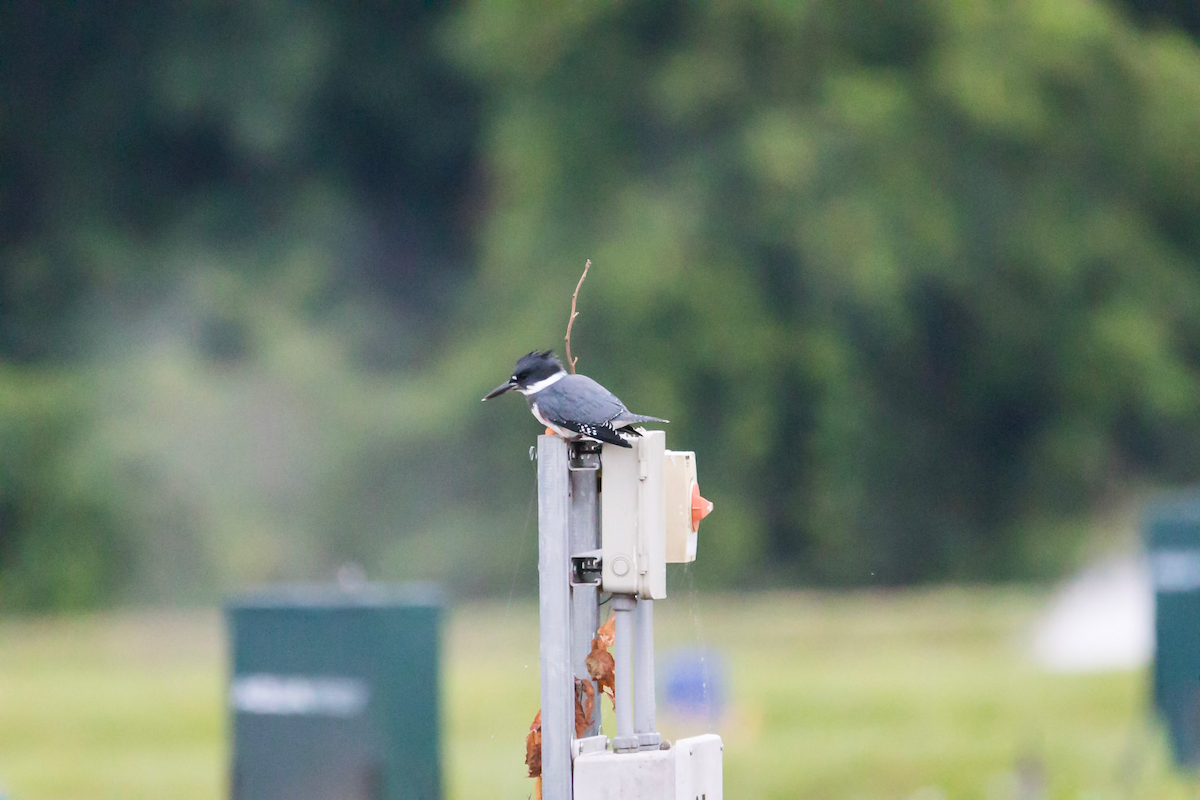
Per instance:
{"type": "Point", "coordinates": [630, 419]}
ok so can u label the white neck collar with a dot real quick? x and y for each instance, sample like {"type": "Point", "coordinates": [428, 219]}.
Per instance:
{"type": "Point", "coordinates": [534, 388]}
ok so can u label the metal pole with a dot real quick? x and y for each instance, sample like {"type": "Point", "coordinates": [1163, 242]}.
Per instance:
{"type": "Point", "coordinates": [643, 666]}
{"type": "Point", "coordinates": [554, 606]}
{"type": "Point", "coordinates": [626, 739]}
{"type": "Point", "coordinates": [584, 526]}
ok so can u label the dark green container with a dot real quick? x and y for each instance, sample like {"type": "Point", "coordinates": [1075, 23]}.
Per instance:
{"type": "Point", "coordinates": [335, 694]}
{"type": "Point", "coordinates": [1172, 530]}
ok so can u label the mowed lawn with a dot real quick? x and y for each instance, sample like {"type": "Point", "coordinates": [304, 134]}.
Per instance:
{"type": "Point", "coordinates": [902, 695]}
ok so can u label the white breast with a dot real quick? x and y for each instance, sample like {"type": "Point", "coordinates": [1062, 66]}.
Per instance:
{"type": "Point", "coordinates": [563, 432]}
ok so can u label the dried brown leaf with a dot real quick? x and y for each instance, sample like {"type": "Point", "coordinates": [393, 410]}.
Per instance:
{"type": "Point", "coordinates": [607, 633]}
{"type": "Point", "coordinates": [533, 751]}
{"type": "Point", "coordinates": [600, 666]}
{"type": "Point", "coordinates": [599, 662]}
{"type": "Point", "coordinates": [585, 705]}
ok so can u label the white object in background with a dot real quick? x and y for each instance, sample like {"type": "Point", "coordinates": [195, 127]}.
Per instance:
{"type": "Point", "coordinates": [690, 769]}
{"type": "Point", "coordinates": [261, 693]}
{"type": "Point", "coordinates": [1175, 570]}
{"type": "Point", "coordinates": [1102, 620]}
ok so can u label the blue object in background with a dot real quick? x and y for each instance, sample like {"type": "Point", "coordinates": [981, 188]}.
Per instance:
{"type": "Point", "coordinates": [693, 684]}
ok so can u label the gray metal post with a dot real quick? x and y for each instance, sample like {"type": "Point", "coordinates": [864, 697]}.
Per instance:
{"type": "Point", "coordinates": [584, 517]}
{"type": "Point", "coordinates": [554, 606]}
{"type": "Point", "coordinates": [643, 671]}
{"type": "Point", "coordinates": [626, 739]}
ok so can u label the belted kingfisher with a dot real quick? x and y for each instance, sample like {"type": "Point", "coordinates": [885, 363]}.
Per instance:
{"type": "Point", "coordinates": [573, 406]}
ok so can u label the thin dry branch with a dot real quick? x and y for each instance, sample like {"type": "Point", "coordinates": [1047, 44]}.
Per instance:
{"type": "Point", "coordinates": [571, 361]}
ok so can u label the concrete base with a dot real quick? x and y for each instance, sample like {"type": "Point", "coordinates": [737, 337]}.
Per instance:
{"type": "Point", "coordinates": [698, 767]}
{"type": "Point", "coordinates": [690, 770]}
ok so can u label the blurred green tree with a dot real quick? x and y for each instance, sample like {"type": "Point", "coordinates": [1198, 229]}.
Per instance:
{"type": "Point", "coordinates": [1182, 13]}
{"type": "Point", "coordinates": [918, 280]}
{"type": "Point", "coordinates": [216, 224]}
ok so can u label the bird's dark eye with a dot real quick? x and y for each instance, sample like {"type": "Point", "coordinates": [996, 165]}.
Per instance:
{"type": "Point", "coordinates": [513, 378]}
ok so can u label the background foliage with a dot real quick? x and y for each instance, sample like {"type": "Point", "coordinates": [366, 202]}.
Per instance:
{"type": "Point", "coordinates": [918, 282]}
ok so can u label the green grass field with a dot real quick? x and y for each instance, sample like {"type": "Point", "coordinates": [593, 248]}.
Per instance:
{"type": "Point", "coordinates": [909, 695]}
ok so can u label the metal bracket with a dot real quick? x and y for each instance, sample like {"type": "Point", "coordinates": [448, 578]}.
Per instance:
{"type": "Point", "coordinates": [588, 744]}
{"type": "Point", "coordinates": [586, 568]}
{"type": "Point", "coordinates": [583, 457]}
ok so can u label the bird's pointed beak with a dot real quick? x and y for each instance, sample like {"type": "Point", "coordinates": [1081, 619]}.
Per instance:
{"type": "Point", "coordinates": [501, 389]}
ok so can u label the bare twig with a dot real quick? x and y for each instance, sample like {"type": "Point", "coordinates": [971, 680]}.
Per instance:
{"type": "Point", "coordinates": [574, 314]}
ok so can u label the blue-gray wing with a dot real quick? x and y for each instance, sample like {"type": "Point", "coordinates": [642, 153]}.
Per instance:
{"type": "Point", "coordinates": [578, 398]}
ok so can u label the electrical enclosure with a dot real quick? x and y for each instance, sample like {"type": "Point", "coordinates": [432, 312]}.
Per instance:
{"type": "Point", "coordinates": [650, 512]}
{"type": "Point", "coordinates": [633, 541]}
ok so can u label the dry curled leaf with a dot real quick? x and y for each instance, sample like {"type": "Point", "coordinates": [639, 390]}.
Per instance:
{"type": "Point", "coordinates": [585, 705]}
{"type": "Point", "coordinates": [600, 666]}
{"type": "Point", "coordinates": [607, 633]}
{"type": "Point", "coordinates": [533, 750]}
{"type": "Point", "coordinates": [599, 662]}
